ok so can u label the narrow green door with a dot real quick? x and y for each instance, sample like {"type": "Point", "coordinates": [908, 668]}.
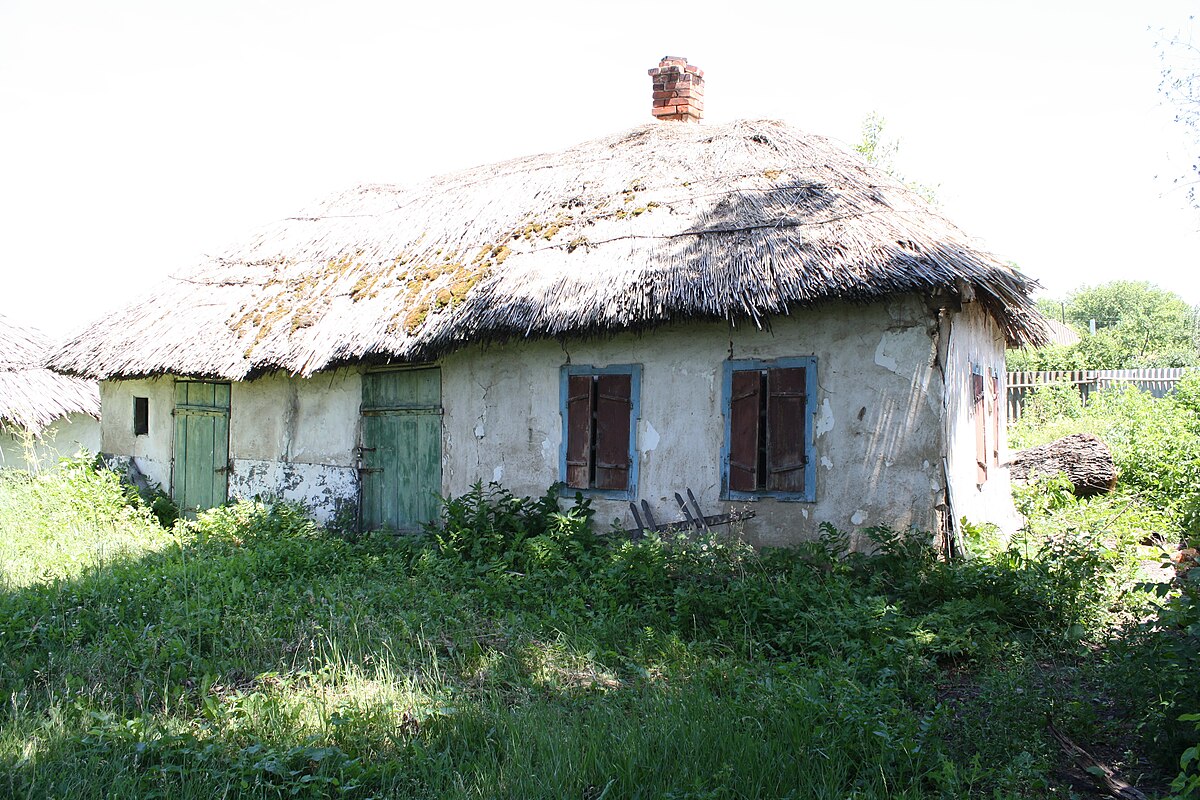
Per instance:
{"type": "Point", "coordinates": [201, 478]}
{"type": "Point", "coordinates": [401, 448]}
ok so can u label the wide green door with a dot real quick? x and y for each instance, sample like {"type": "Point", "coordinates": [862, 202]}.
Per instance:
{"type": "Point", "coordinates": [401, 448]}
{"type": "Point", "coordinates": [201, 478]}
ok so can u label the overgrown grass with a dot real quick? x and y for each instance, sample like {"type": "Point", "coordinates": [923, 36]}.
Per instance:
{"type": "Point", "coordinates": [60, 524]}
{"type": "Point", "coordinates": [1153, 657]}
{"type": "Point", "coordinates": [516, 652]}
{"type": "Point", "coordinates": [1155, 442]}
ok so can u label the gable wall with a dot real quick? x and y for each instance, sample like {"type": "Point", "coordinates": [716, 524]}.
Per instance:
{"type": "Point", "coordinates": [976, 340]}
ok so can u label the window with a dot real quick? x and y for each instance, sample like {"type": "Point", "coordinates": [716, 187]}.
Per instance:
{"type": "Point", "coordinates": [141, 416]}
{"type": "Point", "coordinates": [979, 409]}
{"type": "Point", "coordinates": [995, 387]}
{"type": "Point", "coordinates": [768, 429]}
{"type": "Point", "coordinates": [985, 405]}
{"type": "Point", "coordinates": [599, 411]}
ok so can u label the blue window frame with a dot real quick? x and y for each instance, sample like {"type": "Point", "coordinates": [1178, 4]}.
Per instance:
{"type": "Point", "coordinates": [600, 408]}
{"type": "Point", "coordinates": [768, 408]}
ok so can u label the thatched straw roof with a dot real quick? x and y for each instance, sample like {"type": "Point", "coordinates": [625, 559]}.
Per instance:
{"type": "Point", "coordinates": [32, 396]}
{"type": "Point", "coordinates": [663, 222]}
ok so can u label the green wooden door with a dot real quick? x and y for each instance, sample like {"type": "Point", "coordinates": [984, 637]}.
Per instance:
{"type": "Point", "coordinates": [201, 478]}
{"type": "Point", "coordinates": [401, 448]}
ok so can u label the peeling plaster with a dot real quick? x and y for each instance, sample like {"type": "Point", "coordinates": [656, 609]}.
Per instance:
{"type": "Point", "coordinates": [825, 421]}
{"type": "Point", "coordinates": [650, 438]}
{"type": "Point", "coordinates": [498, 474]}
{"type": "Point", "coordinates": [826, 463]}
{"type": "Point", "coordinates": [321, 488]}
{"type": "Point", "coordinates": [896, 347]}
{"type": "Point", "coordinates": [881, 356]}
{"type": "Point", "coordinates": [859, 517]}
{"type": "Point", "coordinates": [479, 430]}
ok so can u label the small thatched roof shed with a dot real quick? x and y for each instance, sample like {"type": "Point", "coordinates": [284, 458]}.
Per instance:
{"type": "Point", "coordinates": [1060, 333]}
{"type": "Point", "coordinates": [660, 223]}
{"type": "Point", "coordinates": [31, 396]}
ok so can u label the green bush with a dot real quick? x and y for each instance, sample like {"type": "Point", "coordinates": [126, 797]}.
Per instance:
{"type": "Point", "coordinates": [492, 528]}
{"type": "Point", "coordinates": [515, 651]}
{"type": "Point", "coordinates": [1155, 442]}
{"type": "Point", "coordinates": [1156, 447]}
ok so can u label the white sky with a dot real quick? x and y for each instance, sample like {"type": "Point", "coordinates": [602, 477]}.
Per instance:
{"type": "Point", "coordinates": [135, 137]}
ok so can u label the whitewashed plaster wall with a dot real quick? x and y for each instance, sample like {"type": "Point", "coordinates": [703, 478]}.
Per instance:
{"type": "Point", "coordinates": [878, 416]}
{"type": "Point", "coordinates": [883, 415]}
{"type": "Point", "coordinates": [975, 339]}
{"type": "Point", "coordinates": [296, 439]}
{"type": "Point", "coordinates": [151, 453]}
{"type": "Point", "coordinates": [288, 438]}
{"type": "Point", "coordinates": [68, 436]}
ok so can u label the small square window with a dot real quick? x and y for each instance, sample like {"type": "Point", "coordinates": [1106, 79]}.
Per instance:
{"type": "Point", "coordinates": [768, 429]}
{"type": "Point", "coordinates": [599, 412]}
{"type": "Point", "coordinates": [141, 416]}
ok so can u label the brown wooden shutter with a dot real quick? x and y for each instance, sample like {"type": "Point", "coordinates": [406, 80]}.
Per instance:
{"type": "Point", "coordinates": [579, 431]}
{"type": "Point", "coordinates": [995, 419]}
{"type": "Point", "coordinates": [786, 402]}
{"type": "Point", "coordinates": [614, 408]}
{"type": "Point", "coordinates": [744, 409]}
{"type": "Point", "coordinates": [980, 428]}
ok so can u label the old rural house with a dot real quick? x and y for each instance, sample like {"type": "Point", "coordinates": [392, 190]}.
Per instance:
{"type": "Point", "coordinates": [744, 309]}
{"type": "Point", "coordinates": [43, 415]}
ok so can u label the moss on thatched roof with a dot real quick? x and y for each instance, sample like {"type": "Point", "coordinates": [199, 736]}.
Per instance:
{"type": "Point", "coordinates": [31, 396]}
{"type": "Point", "coordinates": [663, 222]}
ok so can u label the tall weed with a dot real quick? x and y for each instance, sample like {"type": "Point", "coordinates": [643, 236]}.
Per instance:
{"type": "Point", "coordinates": [1155, 442]}
{"type": "Point", "coordinates": [515, 651]}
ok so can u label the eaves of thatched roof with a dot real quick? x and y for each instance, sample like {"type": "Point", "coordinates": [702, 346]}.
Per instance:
{"type": "Point", "coordinates": [664, 222]}
{"type": "Point", "coordinates": [32, 396]}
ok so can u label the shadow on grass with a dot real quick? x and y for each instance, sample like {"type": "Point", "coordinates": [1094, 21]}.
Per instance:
{"type": "Point", "coordinates": [269, 659]}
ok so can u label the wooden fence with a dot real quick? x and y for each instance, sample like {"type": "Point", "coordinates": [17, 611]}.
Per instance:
{"type": "Point", "coordinates": [1155, 381]}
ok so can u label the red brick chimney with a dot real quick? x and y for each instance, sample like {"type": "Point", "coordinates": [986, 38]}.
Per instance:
{"type": "Point", "coordinates": [678, 90]}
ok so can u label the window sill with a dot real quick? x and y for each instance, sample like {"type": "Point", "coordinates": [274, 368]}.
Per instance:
{"type": "Point", "coordinates": [783, 497]}
{"type": "Point", "coordinates": [602, 494]}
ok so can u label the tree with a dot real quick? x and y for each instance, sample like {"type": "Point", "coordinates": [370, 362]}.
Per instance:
{"type": "Point", "coordinates": [880, 152]}
{"type": "Point", "coordinates": [1180, 85]}
{"type": "Point", "coordinates": [1137, 325]}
